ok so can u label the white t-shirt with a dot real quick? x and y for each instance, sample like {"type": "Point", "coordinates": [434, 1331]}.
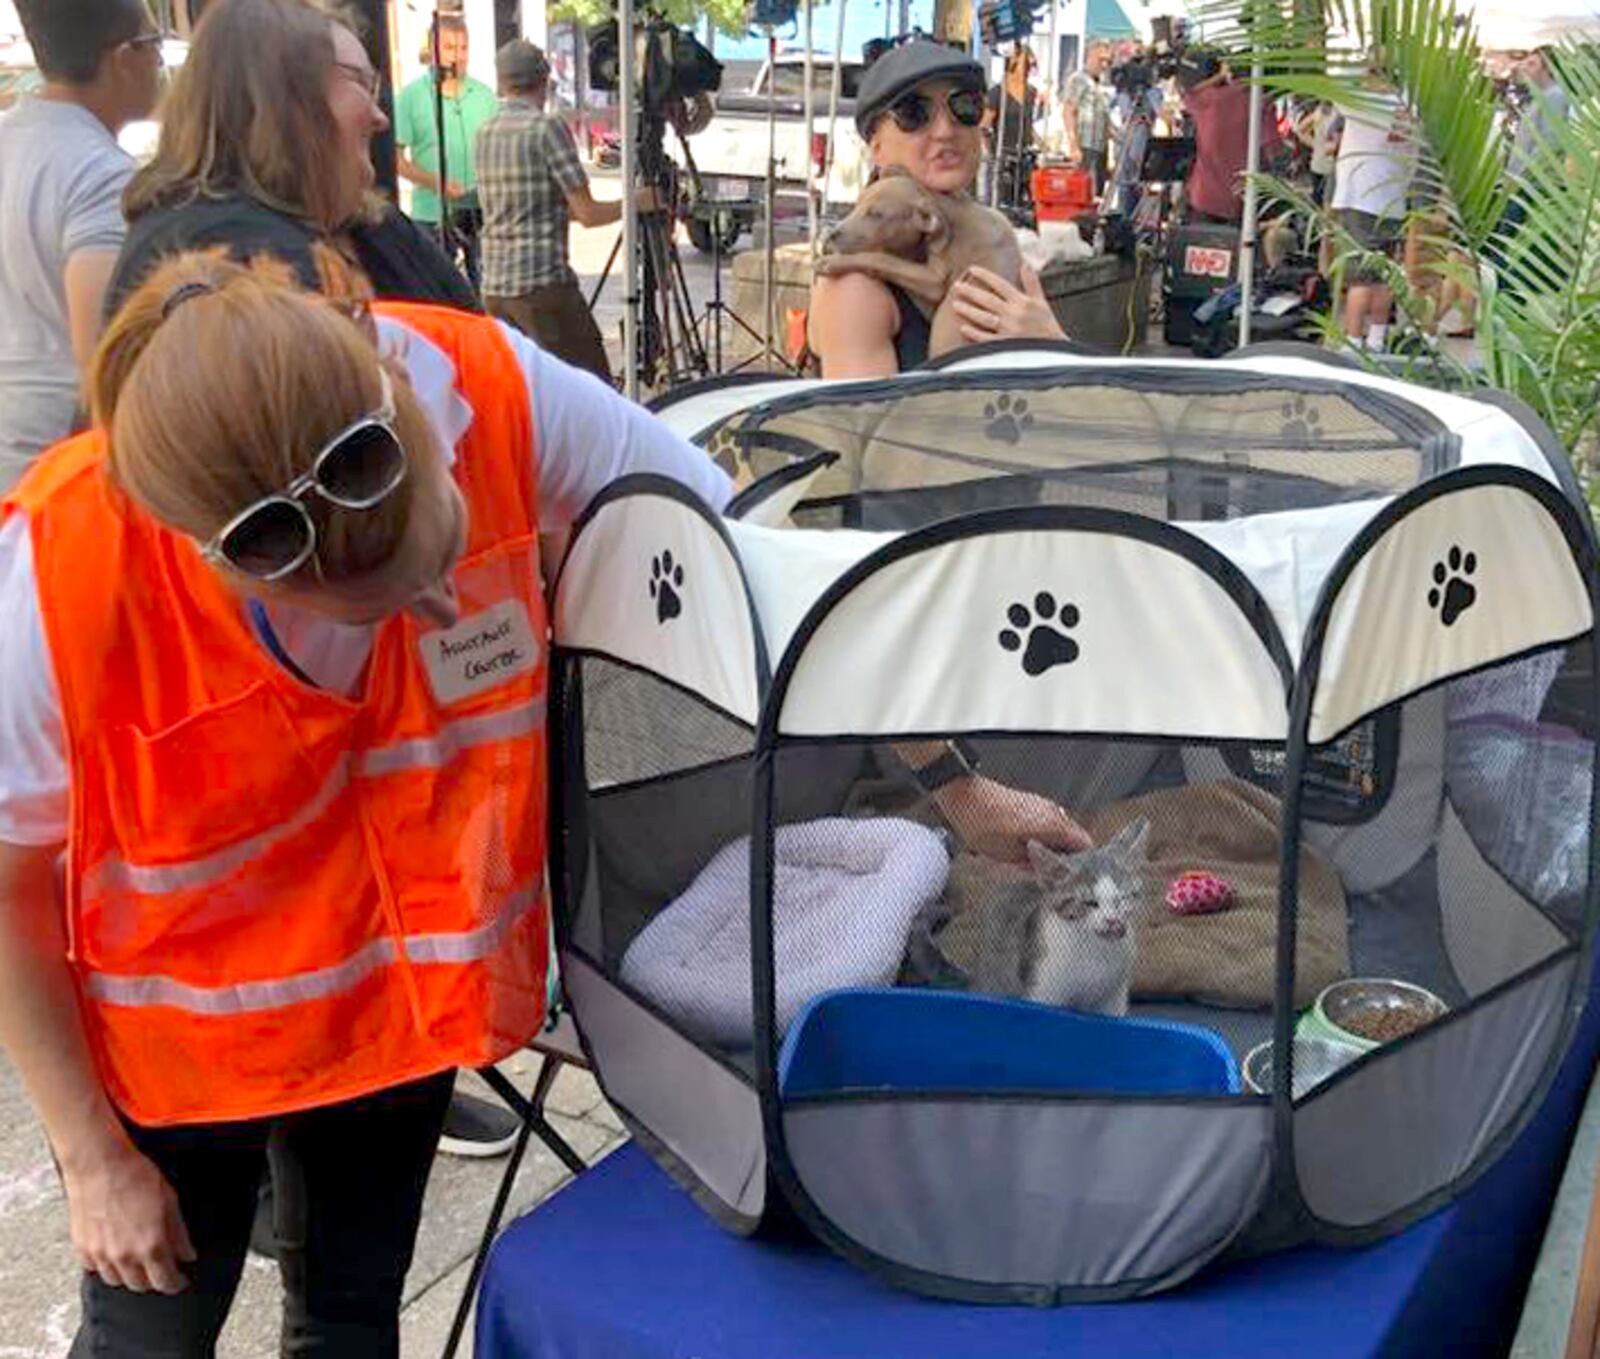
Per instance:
{"type": "Point", "coordinates": [1377, 157]}
{"type": "Point", "coordinates": [588, 436]}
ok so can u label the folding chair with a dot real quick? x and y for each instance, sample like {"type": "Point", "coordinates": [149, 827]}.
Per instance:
{"type": "Point", "coordinates": [558, 1047]}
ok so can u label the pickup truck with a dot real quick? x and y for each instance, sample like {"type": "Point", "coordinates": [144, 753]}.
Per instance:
{"type": "Point", "coordinates": [727, 181]}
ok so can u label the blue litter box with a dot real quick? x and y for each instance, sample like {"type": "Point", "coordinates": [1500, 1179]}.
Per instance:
{"type": "Point", "coordinates": [949, 1041]}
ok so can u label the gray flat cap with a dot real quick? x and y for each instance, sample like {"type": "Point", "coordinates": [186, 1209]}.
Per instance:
{"type": "Point", "coordinates": [521, 65]}
{"type": "Point", "coordinates": [905, 67]}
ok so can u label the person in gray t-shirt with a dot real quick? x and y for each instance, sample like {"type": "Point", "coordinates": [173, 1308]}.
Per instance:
{"type": "Point", "coordinates": [61, 180]}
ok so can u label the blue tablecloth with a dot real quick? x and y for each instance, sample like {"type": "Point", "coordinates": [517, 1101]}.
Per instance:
{"type": "Point", "coordinates": [623, 1265]}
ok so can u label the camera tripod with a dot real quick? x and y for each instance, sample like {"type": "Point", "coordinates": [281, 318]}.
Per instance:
{"type": "Point", "coordinates": [670, 346]}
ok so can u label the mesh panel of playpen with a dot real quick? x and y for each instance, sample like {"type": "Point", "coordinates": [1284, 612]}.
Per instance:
{"type": "Point", "coordinates": [1503, 886]}
{"type": "Point", "coordinates": [662, 785]}
{"type": "Point", "coordinates": [1171, 918]}
{"type": "Point", "coordinates": [1219, 448]}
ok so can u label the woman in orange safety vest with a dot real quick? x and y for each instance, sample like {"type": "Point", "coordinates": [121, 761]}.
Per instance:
{"type": "Point", "coordinates": [272, 686]}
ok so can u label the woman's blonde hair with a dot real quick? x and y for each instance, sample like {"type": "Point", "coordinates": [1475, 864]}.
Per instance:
{"type": "Point", "coordinates": [248, 113]}
{"type": "Point", "coordinates": [217, 384]}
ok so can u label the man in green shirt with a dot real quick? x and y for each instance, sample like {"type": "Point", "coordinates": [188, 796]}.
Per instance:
{"type": "Point", "coordinates": [468, 104]}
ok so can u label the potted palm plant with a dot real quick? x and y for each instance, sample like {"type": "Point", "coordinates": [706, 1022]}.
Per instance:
{"type": "Point", "coordinates": [1512, 224]}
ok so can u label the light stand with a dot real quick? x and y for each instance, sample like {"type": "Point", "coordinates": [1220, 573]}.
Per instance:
{"type": "Point", "coordinates": [447, 230]}
{"type": "Point", "coordinates": [1247, 243]}
{"type": "Point", "coordinates": [628, 97]}
{"type": "Point", "coordinates": [833, 105]}
{"type": "Point", "coordinates": [769, 263]}
{"type": "Point", "coordinates": [809, 104]}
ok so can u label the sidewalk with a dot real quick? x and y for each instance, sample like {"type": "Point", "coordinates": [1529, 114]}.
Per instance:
{"type": "Point", "coordinates": [39, 1277]}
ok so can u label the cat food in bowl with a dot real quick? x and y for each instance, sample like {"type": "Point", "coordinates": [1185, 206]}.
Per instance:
{"type": "Point", "coordinates": [1371, 1011]}
{"type": "Point", "coordinates": [1315, 1059]}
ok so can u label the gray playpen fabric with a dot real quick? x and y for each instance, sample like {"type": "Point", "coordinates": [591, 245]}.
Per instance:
{"type": "Point", "coordinates": [1049, 1194]}
{"type": "Point", "coordinates": [707, 1117]}
{"type": "Point", "coordinates": [1413, 1121]}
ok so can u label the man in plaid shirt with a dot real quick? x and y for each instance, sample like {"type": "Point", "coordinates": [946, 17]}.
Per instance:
{"type": "Point", "coordinates": [529, 183]}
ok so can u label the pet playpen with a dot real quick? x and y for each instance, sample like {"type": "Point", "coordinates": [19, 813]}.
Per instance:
{"type": "Point", "coordinates": [1326, 639]}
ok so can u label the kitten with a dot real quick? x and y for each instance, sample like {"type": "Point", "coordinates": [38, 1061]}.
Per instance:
{"type": "Point", "coordinates": [1060, 934]}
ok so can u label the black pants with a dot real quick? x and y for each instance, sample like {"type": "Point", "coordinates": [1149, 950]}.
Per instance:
{"type": "Point", "coordinates": [363, 1167]}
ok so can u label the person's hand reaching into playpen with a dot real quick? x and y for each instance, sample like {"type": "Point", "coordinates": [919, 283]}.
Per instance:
{"type": "Point", "coordinates": [997, 822]}
{"type": "Point", "coordinates": [992, 309]}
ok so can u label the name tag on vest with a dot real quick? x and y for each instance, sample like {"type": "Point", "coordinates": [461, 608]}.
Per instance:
{"type": "Point", "coordinates": [480, 652]}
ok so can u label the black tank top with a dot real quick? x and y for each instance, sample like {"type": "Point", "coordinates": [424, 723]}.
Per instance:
{"type": "Point", "coordinates": [911, 341]}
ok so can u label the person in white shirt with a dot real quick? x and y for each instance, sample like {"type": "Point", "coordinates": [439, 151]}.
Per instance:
{"type": "Point", "coordinates": [61, 180]}
{"type": "Point", "coordinates": [1371, 179]}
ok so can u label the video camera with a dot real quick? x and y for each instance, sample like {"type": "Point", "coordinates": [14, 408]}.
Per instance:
{"type": "Point", "coordinates": [671, 63]}
{"type": "Point", "coordinates": [1170, 54]}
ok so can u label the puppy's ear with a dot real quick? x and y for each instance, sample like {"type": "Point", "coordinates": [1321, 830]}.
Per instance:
{"type": "Point", "coordinates": [931, 223]}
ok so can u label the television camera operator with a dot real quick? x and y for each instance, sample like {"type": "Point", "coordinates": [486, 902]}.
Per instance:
{"type": "Point", "coordinates": [1218, 106]}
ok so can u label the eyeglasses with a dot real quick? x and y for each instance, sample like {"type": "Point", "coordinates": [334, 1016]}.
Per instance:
{"type": "Point", "coordinates": [912, 112]}
{"type": "Point", "coordinates": [356, 469]}
{"type": "Point", "coordinates": [364, 76]}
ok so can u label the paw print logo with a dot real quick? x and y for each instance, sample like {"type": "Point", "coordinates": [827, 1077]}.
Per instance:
{"type": "Point", "coordinates": [1302, 422]}
{"type": "Point", "coordinates": [1045, 629]}
{"type": "Point", "coordinates": [1008, 417]}
{"type": "Point", "coordinates": [723, 449]}
{"type": "Point", "coordinates": [1452, 593]}
{"type": "Point", "coordinates": [666, 585]}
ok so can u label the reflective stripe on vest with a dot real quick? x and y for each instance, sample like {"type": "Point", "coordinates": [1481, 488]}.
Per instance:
{"type": "Point", "coordinates": [469, 946]}
{"type": "Point", "coordinates": [429, 752]}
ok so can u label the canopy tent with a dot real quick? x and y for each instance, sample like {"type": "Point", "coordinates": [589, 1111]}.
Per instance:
{"type": "Point", "coordinates": [1108, 20]}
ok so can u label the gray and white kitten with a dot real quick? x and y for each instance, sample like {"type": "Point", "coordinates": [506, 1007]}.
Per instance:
{"type": "Point", "coordinates": [1062, 935]}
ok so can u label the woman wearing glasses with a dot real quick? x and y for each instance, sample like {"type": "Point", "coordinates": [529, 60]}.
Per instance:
{"type": "Point", "coordinates": [920, 108]}
{"type": "Point", "coordinates": [265, 148]}
{"type": "Point", "coordinates": [272, 679]}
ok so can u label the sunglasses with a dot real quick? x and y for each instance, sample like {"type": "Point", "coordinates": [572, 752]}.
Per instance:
{"type": "Point", "coordinates": [147, 40]}
{"type": "Point", "coordinates": [913, 112]}
{"type": "Point", "coordinates": [356, 469]}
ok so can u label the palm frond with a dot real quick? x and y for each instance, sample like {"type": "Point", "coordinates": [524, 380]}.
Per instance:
{"type": "Point", "coordinates": [1520, 230]}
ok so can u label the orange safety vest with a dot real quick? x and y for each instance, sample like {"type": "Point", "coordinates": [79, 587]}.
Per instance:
{"type": "Point", "coordinates": [278, 897]}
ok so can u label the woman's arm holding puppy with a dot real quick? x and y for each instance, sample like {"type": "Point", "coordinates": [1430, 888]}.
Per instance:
{"type": "Point", "coordinates": [853, 326]}
{"type": "Point", "coordinates": [992, 309]}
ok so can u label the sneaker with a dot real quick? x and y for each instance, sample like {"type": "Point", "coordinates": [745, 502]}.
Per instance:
{"type": "Point", "coordinates": [475, 1127]}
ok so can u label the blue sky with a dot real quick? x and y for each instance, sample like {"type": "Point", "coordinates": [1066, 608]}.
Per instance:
{"type": "Point", "coordinates": [863, 19]}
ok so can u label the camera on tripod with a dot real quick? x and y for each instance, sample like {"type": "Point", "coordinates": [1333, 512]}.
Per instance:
{"type": "Point", "coordinates": [1170, 55]}
{"type": "Point", "coordinates": [672, 64]}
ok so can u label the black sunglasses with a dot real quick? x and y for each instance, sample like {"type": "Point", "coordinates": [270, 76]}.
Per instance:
{"type": "Point", "coordinates": [912, 112]}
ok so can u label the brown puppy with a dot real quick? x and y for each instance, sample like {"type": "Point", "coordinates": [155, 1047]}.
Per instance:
{"type": "Point", "coordinates": [903, 234]}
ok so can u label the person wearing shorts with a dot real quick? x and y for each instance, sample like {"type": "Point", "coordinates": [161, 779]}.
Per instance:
{"type": "Point", "coordinates": [1377, 157]}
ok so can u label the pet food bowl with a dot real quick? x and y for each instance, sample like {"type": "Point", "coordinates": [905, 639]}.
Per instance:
{"type": "Point", "coordinates": [1315, 1059]}
{"type": "Point", "coordinates": [1367, 1012]}
{"type": "Point", "coordinates": [957, 1043]}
